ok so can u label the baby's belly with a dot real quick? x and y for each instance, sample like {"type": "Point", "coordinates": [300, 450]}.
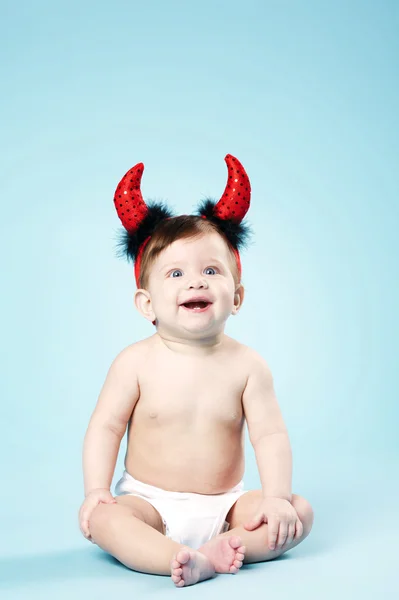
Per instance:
{"type": "Point", "coordinates": [204, 463]}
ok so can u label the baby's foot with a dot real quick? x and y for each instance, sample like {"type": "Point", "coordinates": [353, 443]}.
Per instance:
{"type": "Point", "coordinates": [226, 554]}
{"type": "Point", "coordinates": [189, 566]}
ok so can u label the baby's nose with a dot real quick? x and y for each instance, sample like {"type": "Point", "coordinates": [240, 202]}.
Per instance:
{"type": "Point", "coordinates": [198, 283]}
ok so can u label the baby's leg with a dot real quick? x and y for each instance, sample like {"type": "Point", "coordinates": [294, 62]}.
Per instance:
{"type": "Point", "coordinates": [132, 532]}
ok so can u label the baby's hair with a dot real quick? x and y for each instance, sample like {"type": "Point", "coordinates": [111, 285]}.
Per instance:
{"type": "Point", "coordinates": [177, 228]}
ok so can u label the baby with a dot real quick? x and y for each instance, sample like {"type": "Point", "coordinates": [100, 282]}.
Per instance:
{"type": "Point", "coordinates": [184, 394]}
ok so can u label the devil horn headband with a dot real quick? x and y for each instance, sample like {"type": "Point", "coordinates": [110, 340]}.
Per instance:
{"type": "Point", "coordinates": [140, 219]}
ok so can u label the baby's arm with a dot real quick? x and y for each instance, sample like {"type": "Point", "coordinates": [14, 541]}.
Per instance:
{"type": "Point", "coordinates": [267, 431]}
{"type": "Point", "coordinates": [108, 423]}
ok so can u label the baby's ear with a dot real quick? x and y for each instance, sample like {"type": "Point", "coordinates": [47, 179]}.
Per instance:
{"type": "Point", "coordinates": [238, 298]}
{"type": "Point", "coordinates": [142, 301]}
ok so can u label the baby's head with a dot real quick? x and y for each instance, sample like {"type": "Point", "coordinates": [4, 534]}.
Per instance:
{"type": "Point", "coordinates": [179, 260]}
{"type": "Point", "coordinates": [187, 258]}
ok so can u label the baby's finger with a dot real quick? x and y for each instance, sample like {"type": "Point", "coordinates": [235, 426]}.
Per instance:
{"type": "Point", "coordinates": [291, 534]}
{"type": "Point", "coordinates": [272, 532]}
{"type": "Point", "coordinates": [85, 522]}
{"type": "Point", "coordinates": [299, 529]}
{"type": "Point", "coordinates": [81, 512]}
{"type": "Point", "coordinates": [85, 515]}
{"type": "Point", "coordinates": [283, 532]}
{"type": "Point", "coordinates": [254, 522]}
{"type": "Point", "coordinates": [85, 528]}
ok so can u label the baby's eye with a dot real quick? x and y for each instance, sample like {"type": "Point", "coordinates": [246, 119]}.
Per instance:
{"type": "Point", "coordinates": [176, 271]}
{"type": "Point", "coordinates": [210, 269]}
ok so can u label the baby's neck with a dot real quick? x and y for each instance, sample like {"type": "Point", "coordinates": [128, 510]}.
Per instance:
{"type": "Point", "coordinates": [193, 347]}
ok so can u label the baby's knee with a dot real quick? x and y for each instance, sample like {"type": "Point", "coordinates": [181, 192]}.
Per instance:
{"type": "Point", "coordinates": [99, 517]}
{"type": "Point", "coordinates": [305, 514]}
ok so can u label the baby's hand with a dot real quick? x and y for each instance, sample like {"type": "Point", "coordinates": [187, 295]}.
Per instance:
{"type": "Point", "coordinates": [90, 502]}
{"type": "Point", "coordinates": [283, 521]}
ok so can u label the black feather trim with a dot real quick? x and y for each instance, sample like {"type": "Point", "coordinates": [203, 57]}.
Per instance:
{"type": "Point", "coordinates": [238, 234]}
{"type": "Point", "coordinates": [128, 244]}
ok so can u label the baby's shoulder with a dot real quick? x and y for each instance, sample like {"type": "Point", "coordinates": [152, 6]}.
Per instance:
{"type": "Point", "coordinates": [250, 357]}
{"type": "Point", "coordinates": [135, 353]}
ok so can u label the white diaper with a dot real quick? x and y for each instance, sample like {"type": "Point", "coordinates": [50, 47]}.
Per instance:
{"type": "Point", "coordinates": [189, 518]}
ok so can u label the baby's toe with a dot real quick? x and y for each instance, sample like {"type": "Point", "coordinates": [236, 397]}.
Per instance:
{"type": "Point", "coordinates": [182, 557]}
{"type": "Point", "coordinates": [233, 569]}
{"type": "Point", "coordinates": [240, 556]}
{"type": "Point", "coordinates": [238, 564]}
{"type": "Point", "coordinates": [235, 542]}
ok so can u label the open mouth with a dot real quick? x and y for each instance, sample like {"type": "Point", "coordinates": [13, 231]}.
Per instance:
{"type": "Point", "coordinates": [196, 306]}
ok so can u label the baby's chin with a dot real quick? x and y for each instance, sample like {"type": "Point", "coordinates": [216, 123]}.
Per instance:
{"type": "Point", "coordinates": [192, 329]}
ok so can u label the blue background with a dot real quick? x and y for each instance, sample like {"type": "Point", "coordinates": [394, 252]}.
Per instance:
{"type": "Point", "coordinates": [306, 95]}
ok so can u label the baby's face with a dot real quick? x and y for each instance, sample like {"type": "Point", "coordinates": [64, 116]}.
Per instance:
{"type": "Point", "coordinates": [190, 269]}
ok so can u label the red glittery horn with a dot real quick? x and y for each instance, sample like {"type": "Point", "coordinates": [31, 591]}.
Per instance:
{"type": "Point", "coordinates": [232, 207]}
{"type": "Point", "coordinates": [129, 202]}
{"type": "Point", "coordinates": [234, 203]}
{"type": "Point", "coordinates": [140, 219]}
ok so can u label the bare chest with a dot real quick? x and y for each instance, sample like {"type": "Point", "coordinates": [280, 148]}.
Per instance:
{"type": "Point", "coordinates": [191, 393]}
